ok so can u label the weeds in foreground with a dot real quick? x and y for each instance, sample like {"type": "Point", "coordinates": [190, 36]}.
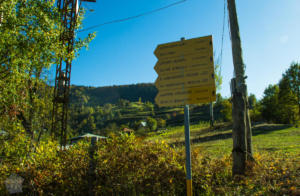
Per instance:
{"type": "Point", "coordinates": [126, 165]}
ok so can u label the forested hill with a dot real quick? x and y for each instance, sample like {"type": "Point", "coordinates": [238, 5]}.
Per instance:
{"type": "Point", "coordinates": [92, 96]}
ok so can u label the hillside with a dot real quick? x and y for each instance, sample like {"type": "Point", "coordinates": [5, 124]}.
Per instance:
{"type": "Point", "coordinates": [104, 109]}
{"type": "Point", "coordinates": [112, 94]}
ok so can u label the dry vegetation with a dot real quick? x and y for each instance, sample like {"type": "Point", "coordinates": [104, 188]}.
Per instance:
{"type": "Point", "coordinates": [132, 166]}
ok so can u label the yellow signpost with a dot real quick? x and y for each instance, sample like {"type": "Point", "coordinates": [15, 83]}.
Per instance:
{"type": "Point", "coordinates": [186, 96]}
{"type": "Point", "coordinates": [185, 76]}
{"type": "Point", "coordinates": [186, 63]}
{"type": "Point", "coordinates": [182, 66]}
{"type": "Point", "coordinates": [185, 47]}
{"type": "Point", "coordinates": [184, 80]}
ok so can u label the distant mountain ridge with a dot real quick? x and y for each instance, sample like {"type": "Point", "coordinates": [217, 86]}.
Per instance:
{"type": "Point", "coordinates": [112, 94]}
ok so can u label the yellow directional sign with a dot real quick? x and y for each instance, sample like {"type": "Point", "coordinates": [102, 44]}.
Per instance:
{"type": "Point", "coordinates": [185, 72]}
{"type": "Point", "coordinates": [179, 80]}
{"type": "Point", "coordinates": [186, 96]}
{"type": "Point", "coordinates": [199, 45]}
{"type": "Point", "coordinates": [186, 63]}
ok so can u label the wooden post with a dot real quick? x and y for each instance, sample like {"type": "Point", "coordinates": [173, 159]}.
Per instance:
{"type": "Point", "coordinates": [241, 132]}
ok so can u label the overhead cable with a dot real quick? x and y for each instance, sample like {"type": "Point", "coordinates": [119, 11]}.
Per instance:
{"type": "Point", "coordinates": [133, 17]}
{"type": "Point", "coordinates": [222, 41]}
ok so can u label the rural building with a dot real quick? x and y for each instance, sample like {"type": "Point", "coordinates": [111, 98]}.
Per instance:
{"type": "Point", "coordinates": [88, 135]}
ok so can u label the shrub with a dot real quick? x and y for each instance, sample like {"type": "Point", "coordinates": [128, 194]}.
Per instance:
{"type": "Point", "coordinates": [161, 123]}
{"type": "Point", "coordinates": [151, 123]}
{"type": "Point", "coordinates": [126, 165]}
{"type": "Point", "coordinates": [131, 166]}
{"type": "Point", "coordinates": [226, 110]}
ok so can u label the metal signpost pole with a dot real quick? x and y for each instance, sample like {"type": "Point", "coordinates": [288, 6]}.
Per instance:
{"type": "Point", "coordinates": [188, 150]}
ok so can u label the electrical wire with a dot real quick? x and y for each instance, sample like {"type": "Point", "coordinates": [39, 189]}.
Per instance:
{"type": "Point", "coordinates": [133, 17]}
{"type": "Point", "coordinates": [222, 42]}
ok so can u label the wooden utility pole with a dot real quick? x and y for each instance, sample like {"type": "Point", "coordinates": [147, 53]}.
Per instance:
{"type": "Point", "coordinates": [241, 132]}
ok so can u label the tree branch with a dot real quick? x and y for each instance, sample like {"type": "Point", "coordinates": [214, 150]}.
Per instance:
{"type": "Point", "coordinates": [24, 122]}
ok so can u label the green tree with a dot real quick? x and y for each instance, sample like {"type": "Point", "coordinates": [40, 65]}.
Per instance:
{"type": "Point", "coordinates": [161, 123]}
{"type": "Point", "coordinates": [281, 102]}
{"type": "Point", "coordinates": [255, 108]}
{"type": "Point", "coordinates": [226, 110]}
{"type": "Point", "coordinates": [107, 108]}
{"type": "Point", "coordinates": [111, 128]}
{"type": "Point", "coordinates": [123, 103]}
{"type": "Point", "coordinates": [218, 76]}
{"type": "Point", "coordinates": [289, 94]}
{"type": "Point", "coordinates": [151, 123]}
{"type": "Point", "coordinates": [30, 36]}
{"type": "Point", "coordinates": [270, 110]}
{"type": "Point", "coordinates": [23, 58]}
{"type": "Point", "coordinates": [287, 102]}
{"type": "Point", "coordinates": [252, 101]}
{"type": "Point", "coordinates": [79, 99]}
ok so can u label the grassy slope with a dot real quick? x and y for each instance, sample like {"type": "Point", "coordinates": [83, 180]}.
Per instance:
{"type": "Point", "coordinates": [280, 139]}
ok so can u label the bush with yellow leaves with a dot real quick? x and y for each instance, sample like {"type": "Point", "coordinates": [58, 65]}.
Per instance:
{"type": "Point", "coordinates": [126, 165]}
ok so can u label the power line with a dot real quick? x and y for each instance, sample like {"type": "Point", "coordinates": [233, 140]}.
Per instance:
{"type": "Point", "coordinates": [133, 17]}
{"type": "Point", "coordinates": [222, 42]}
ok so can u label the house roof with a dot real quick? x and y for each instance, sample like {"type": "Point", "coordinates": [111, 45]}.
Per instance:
{"type": "Point", "coordinates": [88, 135]}
{"type": "Point", "coordinates": [143, 123]}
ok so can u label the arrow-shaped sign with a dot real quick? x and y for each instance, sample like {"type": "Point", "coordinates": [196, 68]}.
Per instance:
{"type": "Point", "coordinates": [186, 96]}
{"type": "Point", "coordinates": [185, 72]}
{"type": "Point", "coordinates": [184, 63]}
{"type": "Point", "coordinates": [192, 46]}
{"type": "Point", "coordinates": [185, 80]}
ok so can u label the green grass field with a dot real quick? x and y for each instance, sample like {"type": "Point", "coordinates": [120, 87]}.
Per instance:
{"type": "Point", "coordinates": [272, 138]}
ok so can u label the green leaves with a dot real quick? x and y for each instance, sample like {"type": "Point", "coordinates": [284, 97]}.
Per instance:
{"type": "Point", "coordinates": [281, 103]}
{"type": "Point", "coordinates": [29, 45]}
{"type": "Point", "coordinates": [126, 165]}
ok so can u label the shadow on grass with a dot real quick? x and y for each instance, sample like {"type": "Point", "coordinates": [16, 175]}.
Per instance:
{"type": "Point", "coordinates": [217, 128]}
{"type": "Point", "coordinates": [256, 130]}
{"type": "Point", "coordinates": [270, 149]}
{"type": "Point", "coordinates": [268, 128]}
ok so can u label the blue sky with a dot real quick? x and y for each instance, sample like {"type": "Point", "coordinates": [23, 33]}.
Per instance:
{"type": "Point", "coordinates": [122, 53]}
